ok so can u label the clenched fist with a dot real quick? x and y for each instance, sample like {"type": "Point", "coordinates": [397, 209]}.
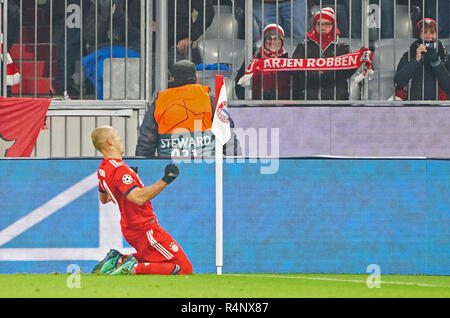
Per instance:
{"type": "Point", "coordinates": [170, 173]}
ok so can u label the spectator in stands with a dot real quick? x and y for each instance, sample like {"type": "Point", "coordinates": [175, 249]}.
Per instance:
{"type": "Point", "coordinates": [284, 19]}
{"type": "Point", "coordinates": [441, 10]}
{"type": "Point", "coordinates": [272, 85]}
{"type": "Point", "coordinates": [383, 20]}
{"type": "Point", "coordinates": [69, 47]}
{"type": "Point", "coordinates": [178, 123]}
{"type": "Point", "coordinates": [13, 22]}
{"type": "Point", "coordinates": [123, 41]}
{"type": "Point", "coordinates": [425, 64]}
{"type": "Point", "coordinates": [126, 17]}
{"type": "Point", "coordinates": [187, 28]}
{"type": "Point", "coordinates": [13, 29]}
{"type": "Point", "coordinates": [96, 26]}
{"type": "Point", "coordinates": [322, 42]}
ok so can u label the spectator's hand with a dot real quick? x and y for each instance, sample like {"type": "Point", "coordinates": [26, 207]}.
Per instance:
{"type": "Point", "coordinates": [118, 8]}
{"type": "Point", "coordinates": [154, 26]}
{"type": "Point", "coordinates": [419, 52]}
{"type": "Point", "coordinates": [432, 55]}
{"type": "Point", "coordinates": [183, 46]}
{"type": "Point", "coordinates": [170, 173]}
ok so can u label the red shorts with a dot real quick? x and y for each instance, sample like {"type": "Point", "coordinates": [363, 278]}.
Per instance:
{"type": "Point", "coordinates": [158, 246]}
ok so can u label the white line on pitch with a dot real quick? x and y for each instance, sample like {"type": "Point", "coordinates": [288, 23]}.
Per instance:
{"type": "Point", "coordinates": [339, 280]}
{"type": "Point", "coordinates": [48, 208]}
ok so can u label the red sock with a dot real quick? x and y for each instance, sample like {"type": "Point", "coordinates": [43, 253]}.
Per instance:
{"type": "Point", "coordinates": [154, 268]}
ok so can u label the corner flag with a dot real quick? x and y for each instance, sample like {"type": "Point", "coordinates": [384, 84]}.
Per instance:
{"type": "Point", "coordinates": [222, 131]}
{"type": "Point", "coordinates": [221, 121]}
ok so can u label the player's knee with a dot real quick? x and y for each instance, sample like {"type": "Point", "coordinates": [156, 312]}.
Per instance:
{"type": "Point", "coordinates": [186, 268]}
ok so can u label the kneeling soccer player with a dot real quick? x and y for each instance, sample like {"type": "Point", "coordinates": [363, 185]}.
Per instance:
{"type": "Point", "coordinates": [156, 251]}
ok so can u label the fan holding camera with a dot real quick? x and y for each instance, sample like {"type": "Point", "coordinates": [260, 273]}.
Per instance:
{"type": "Point", "coordinates": [422, 73]}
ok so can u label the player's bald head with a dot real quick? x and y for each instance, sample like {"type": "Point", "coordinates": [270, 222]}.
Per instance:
{"type": "Point", "coordinates": [100, 135]}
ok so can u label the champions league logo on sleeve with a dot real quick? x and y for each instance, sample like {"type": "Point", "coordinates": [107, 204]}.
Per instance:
{"type": "Point", "coordinates": [222, 113]}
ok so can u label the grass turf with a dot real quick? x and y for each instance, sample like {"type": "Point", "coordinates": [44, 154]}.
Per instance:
{"type": "Point", "coordinates": [224, 286]}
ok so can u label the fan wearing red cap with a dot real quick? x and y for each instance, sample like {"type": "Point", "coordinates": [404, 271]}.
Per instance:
{"type": "Point", "coordinates": [271, 85]}
{"type": "Point", "coordinates": [324, 31]}
{"type": "Point", "coordinates": [322, 42]}
{"type": "Point", "coordinates": [425, 62]}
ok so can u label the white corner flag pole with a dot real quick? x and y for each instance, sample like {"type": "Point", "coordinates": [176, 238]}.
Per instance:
{"type": "Point", "coordinates": [219, 208]}
{"type": "Point", "coordinates": [221, 129]}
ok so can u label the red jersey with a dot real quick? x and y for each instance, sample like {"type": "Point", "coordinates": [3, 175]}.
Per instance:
{"type": "Point", "coordinates": [117, 179]}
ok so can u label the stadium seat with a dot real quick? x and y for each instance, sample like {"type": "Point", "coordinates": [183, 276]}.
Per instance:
{"type": "Point", "coordinates": [208, 78]}
{"type": "Point", "coordinates": [381, 86]}
{"type": "Point", "coordinates": [388, 52]}
{"type": "Point", "coordinates": [403, 23]}
{"type": "Point", "coordinates": [354, 90]}
{"type": "Point", "coordinates": [224, 27]}
{"type": "Point", "coordinates": [290, 45]}
{"type": "Point", "coordinates": [355, 44]}
{"type": "Point", "coordinates": [117, 78]}
{"type": "Point", "coordinates": [232, 52]}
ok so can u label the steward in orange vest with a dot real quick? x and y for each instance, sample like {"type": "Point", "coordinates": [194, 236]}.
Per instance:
{"type": "Point", "coordinates": [178, 123]}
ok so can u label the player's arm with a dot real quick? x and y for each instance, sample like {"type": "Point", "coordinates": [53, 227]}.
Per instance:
{"type": "Point", "coordinates": [104, 197]}
{"type": "Point", "coordinates": [141, 195]}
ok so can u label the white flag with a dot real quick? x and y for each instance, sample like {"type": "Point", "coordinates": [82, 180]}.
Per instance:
{"type": "Point", "coordinates": [221, 121]}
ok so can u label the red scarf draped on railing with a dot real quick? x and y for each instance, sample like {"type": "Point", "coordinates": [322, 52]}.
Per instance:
{"type": "Point", "coordinates": [353, 60]}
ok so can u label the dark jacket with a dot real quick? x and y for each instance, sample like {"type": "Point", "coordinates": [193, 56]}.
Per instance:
{"type": "Point", "coordinates": [169, 127]}
{"type": "Point", "coordinates": [13, 22]}
{"type": "Point", "coordinates": [325, 81]}
{"type": "Point", "coordinates": [97, 19]}
{"type": "Point", "coordinates": [409, 69]}
{"type": "Point", "coordinates": [184, 22]}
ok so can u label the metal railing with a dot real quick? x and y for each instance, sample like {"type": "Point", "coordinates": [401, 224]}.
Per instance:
{"type": "Point", "coordinates": [67, 49]}
{"type": "Point", "coordinates": [68, 127]}
{"type": "Point", "coordinates": [80, 49]}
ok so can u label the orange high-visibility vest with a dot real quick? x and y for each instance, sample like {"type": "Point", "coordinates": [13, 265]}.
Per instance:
{"type": "Point", "coordinates": [185, 108]}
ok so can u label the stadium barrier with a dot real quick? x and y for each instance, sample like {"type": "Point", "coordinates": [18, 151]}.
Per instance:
{"type": "Point", "coordinates": [329, 129]}
{"type": "Point", "coordinates": [68, 126]}
{"type": "Point", "coordinates": [315, 215]}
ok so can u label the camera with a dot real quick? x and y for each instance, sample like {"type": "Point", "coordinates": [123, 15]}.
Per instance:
{"type": "Point", "coordinates": [430, 44]}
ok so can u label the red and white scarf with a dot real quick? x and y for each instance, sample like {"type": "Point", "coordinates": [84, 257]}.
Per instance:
{"type": "Point", "coordinates": [353, 60]}
{"type": "Point", "coordinates": [322, 37]}
{"type": "Point", "coordinates": [269, 54]}
{"type": "Point", "coordinates": [12, 72]}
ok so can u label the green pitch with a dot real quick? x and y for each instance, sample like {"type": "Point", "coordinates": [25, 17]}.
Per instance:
{"type": "Point", "coordinates": [224, 286]}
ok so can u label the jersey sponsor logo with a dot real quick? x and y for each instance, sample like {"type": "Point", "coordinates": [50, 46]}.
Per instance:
{"type": "Point", "coordinates": [127, 179]}
{"type": "Point", "coordinates": [101, 172]}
